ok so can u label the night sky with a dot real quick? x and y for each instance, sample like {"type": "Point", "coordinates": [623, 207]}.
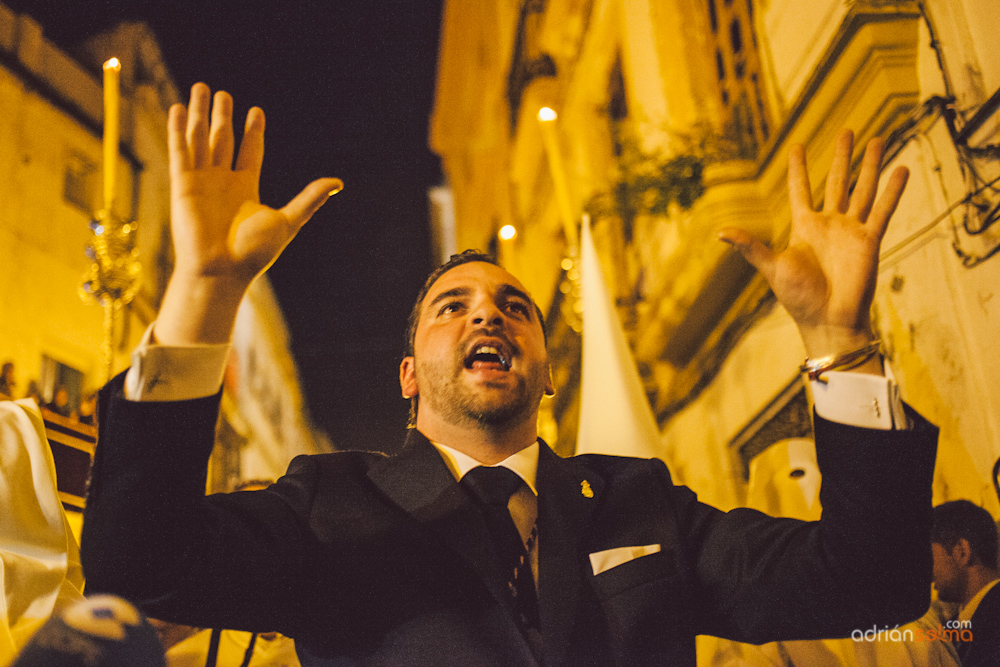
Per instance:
{"type": "Point", "coordinates": [347, 87]}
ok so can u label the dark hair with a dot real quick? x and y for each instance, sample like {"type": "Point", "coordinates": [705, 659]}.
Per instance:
{"type": "Point", "coordinates": [961, 519]}
{"type": "Point", "coordinates": [464, 257]}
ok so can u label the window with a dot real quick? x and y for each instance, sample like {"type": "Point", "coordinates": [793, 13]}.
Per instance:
{"type": "Point", "coordinates": [56, 375]}
{"type": "Point", "coordinates": [746, 121]}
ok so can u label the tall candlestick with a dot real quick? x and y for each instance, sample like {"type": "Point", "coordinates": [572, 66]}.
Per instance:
{"type": "Point", "coordinates": [546, 120]}
{"type": "Point", "coordinates": [112, 100]}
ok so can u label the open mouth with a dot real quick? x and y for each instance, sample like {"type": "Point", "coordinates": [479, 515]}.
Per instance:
{"type": "Point", "coordinates": [487, 356]}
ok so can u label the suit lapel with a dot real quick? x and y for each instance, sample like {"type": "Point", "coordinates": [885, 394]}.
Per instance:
{"type": "Point", "coordinates": [419, 482]}
{"type": "Point", "coordinates": [567, 497]}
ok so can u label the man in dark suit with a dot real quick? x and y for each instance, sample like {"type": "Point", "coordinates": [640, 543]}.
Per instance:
{"type": "Point", "coordinates": [964, 545]}
{"type": "Point", "coordinates": [366, 559]}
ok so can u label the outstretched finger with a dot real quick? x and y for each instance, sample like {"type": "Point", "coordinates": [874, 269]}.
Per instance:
{"type": "Point", "coordinates": [886, 204]}
{"type": "Point", "coordinates": [835, 199]}
{"type": "Point", "coordinates": [755, 252]}
{"type": "Point", "coordinates": [251, 155]}
{"type": "Point", "coordinates": [799, 191]}
{"type": "Point", "coordinates": [177, 150]}
{"type": "Point", "coordinates": [221, 133]}
{"type": "Point", "coordinates": [864, 191]}
{"type": "Point", "coordinates": [313, 196]}
{"type": "Point", "coordinates": [197, 125]}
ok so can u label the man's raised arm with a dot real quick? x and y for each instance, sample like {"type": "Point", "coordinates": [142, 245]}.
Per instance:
{"type": "Point", "coordinates": [150, 534]}
{"type": "Point", "coordinates": [825, 278]}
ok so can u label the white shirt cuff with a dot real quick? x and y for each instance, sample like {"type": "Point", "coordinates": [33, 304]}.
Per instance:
{"type": "Point", "coordinates": [859, 399]}
{"type": "Point", "coordinates": [174, 373]}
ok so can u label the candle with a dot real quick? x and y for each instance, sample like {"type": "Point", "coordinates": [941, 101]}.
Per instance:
{"type": "Point", "coordinates": [546, 119]}
{"type": "Point", "coordinates": [112, 69]}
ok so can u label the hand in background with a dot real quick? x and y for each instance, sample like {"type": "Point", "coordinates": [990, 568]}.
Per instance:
{"type": "Point", "coordinates": [825, 277]}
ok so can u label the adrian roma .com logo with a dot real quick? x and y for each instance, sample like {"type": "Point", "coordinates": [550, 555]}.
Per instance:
{"type": "Point", "coordinates": [952, 631]}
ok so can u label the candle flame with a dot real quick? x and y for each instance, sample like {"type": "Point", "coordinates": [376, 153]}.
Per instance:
{"type": "Point", "coordinates": [546, 114]}
{"type": "Point", "coordinates": [114, 64]}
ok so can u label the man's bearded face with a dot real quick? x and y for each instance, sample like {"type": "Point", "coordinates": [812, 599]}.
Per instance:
{"type": "Point", "coordinates": [479, 350]}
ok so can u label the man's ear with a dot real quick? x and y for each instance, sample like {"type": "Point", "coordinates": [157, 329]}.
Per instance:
{"type": "Point", "coordinates": [408, 377]}
{"type": "Point", "coordinates": [962, 552]}
{"type": "Point", "coordinates": [550, 388]}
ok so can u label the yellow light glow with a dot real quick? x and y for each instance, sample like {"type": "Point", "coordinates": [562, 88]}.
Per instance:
{"type": "Point", "coordinates": [113, 64]}
{"type": "Point", "coordinates": [546, 114]}
{"type": "Point", "coordinates": [566, 264]}
{"type": "Point", "coordinates": [507, 232]}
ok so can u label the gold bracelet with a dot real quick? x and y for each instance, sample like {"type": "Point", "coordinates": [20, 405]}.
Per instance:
{"type": "Point", "coordinates": [813, 368]}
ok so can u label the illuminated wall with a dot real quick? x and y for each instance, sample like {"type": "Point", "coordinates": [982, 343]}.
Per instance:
{"type": "Point", "coordinates": [50, 187]}
{"type": "Point", "coordinates": [50, 176]}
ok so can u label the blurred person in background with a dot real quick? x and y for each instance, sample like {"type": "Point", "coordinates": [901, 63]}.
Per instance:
{"type": "Point", "coordinates": [964, 545]}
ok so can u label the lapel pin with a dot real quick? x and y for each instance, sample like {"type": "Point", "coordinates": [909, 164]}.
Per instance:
{"type": "Point", "coordinates": [586, 490]}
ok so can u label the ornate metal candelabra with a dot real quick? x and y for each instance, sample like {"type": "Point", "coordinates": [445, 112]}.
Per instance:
{"type": "Point", "coordinates": [113, 278]}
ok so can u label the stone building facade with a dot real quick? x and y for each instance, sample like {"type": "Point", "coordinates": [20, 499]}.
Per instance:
{"type": "Point", "coordinates": [675, 119]}
{"type": "Point", "coordinates": [51, 126]}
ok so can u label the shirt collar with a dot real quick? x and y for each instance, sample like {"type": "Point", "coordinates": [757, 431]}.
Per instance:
{"type": "Point", "coordinates": [524, 463]}
{"type": "Point", "coordinates": [970, 609]}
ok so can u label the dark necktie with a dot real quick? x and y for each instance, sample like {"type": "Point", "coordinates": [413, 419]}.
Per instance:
{"type": "Point", "coordinates": [492, 488]}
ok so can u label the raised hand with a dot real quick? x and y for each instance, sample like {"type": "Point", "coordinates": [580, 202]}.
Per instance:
{"type": "Point", "coordinates": [223, 236]}
{"type": "Point", "coordinates": [825, 277]}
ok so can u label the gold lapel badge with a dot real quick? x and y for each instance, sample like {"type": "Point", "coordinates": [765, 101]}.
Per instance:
{"type": "Point", "coordinates": [586, 490]}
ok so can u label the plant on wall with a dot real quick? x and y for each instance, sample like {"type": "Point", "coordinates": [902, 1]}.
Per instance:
{"type": "Point", "coordinates": [650, 182]}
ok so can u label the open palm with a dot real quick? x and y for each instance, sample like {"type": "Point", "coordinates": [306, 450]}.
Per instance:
{"type": "Point", "coordinates": [825, 276]}
{"type": "Point", "coordinates": [220, 227]}
{"type": "Point", "coordinates": [223, 236]}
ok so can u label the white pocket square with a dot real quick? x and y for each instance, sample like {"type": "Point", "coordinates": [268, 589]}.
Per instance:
{"type": "Point", "coordinates": [602, 561]}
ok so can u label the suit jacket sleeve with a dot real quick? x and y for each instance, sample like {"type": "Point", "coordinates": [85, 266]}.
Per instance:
{"type": "Point", "coordinates": [152, 536]}
{"type": "Point", "coordinates": [866, 562]}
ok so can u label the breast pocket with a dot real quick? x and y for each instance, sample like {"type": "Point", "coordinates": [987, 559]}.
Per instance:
{"type": "Point", "coordinates": [623, 568]}
{"type": "Point", "coordinates": [642, 601]}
